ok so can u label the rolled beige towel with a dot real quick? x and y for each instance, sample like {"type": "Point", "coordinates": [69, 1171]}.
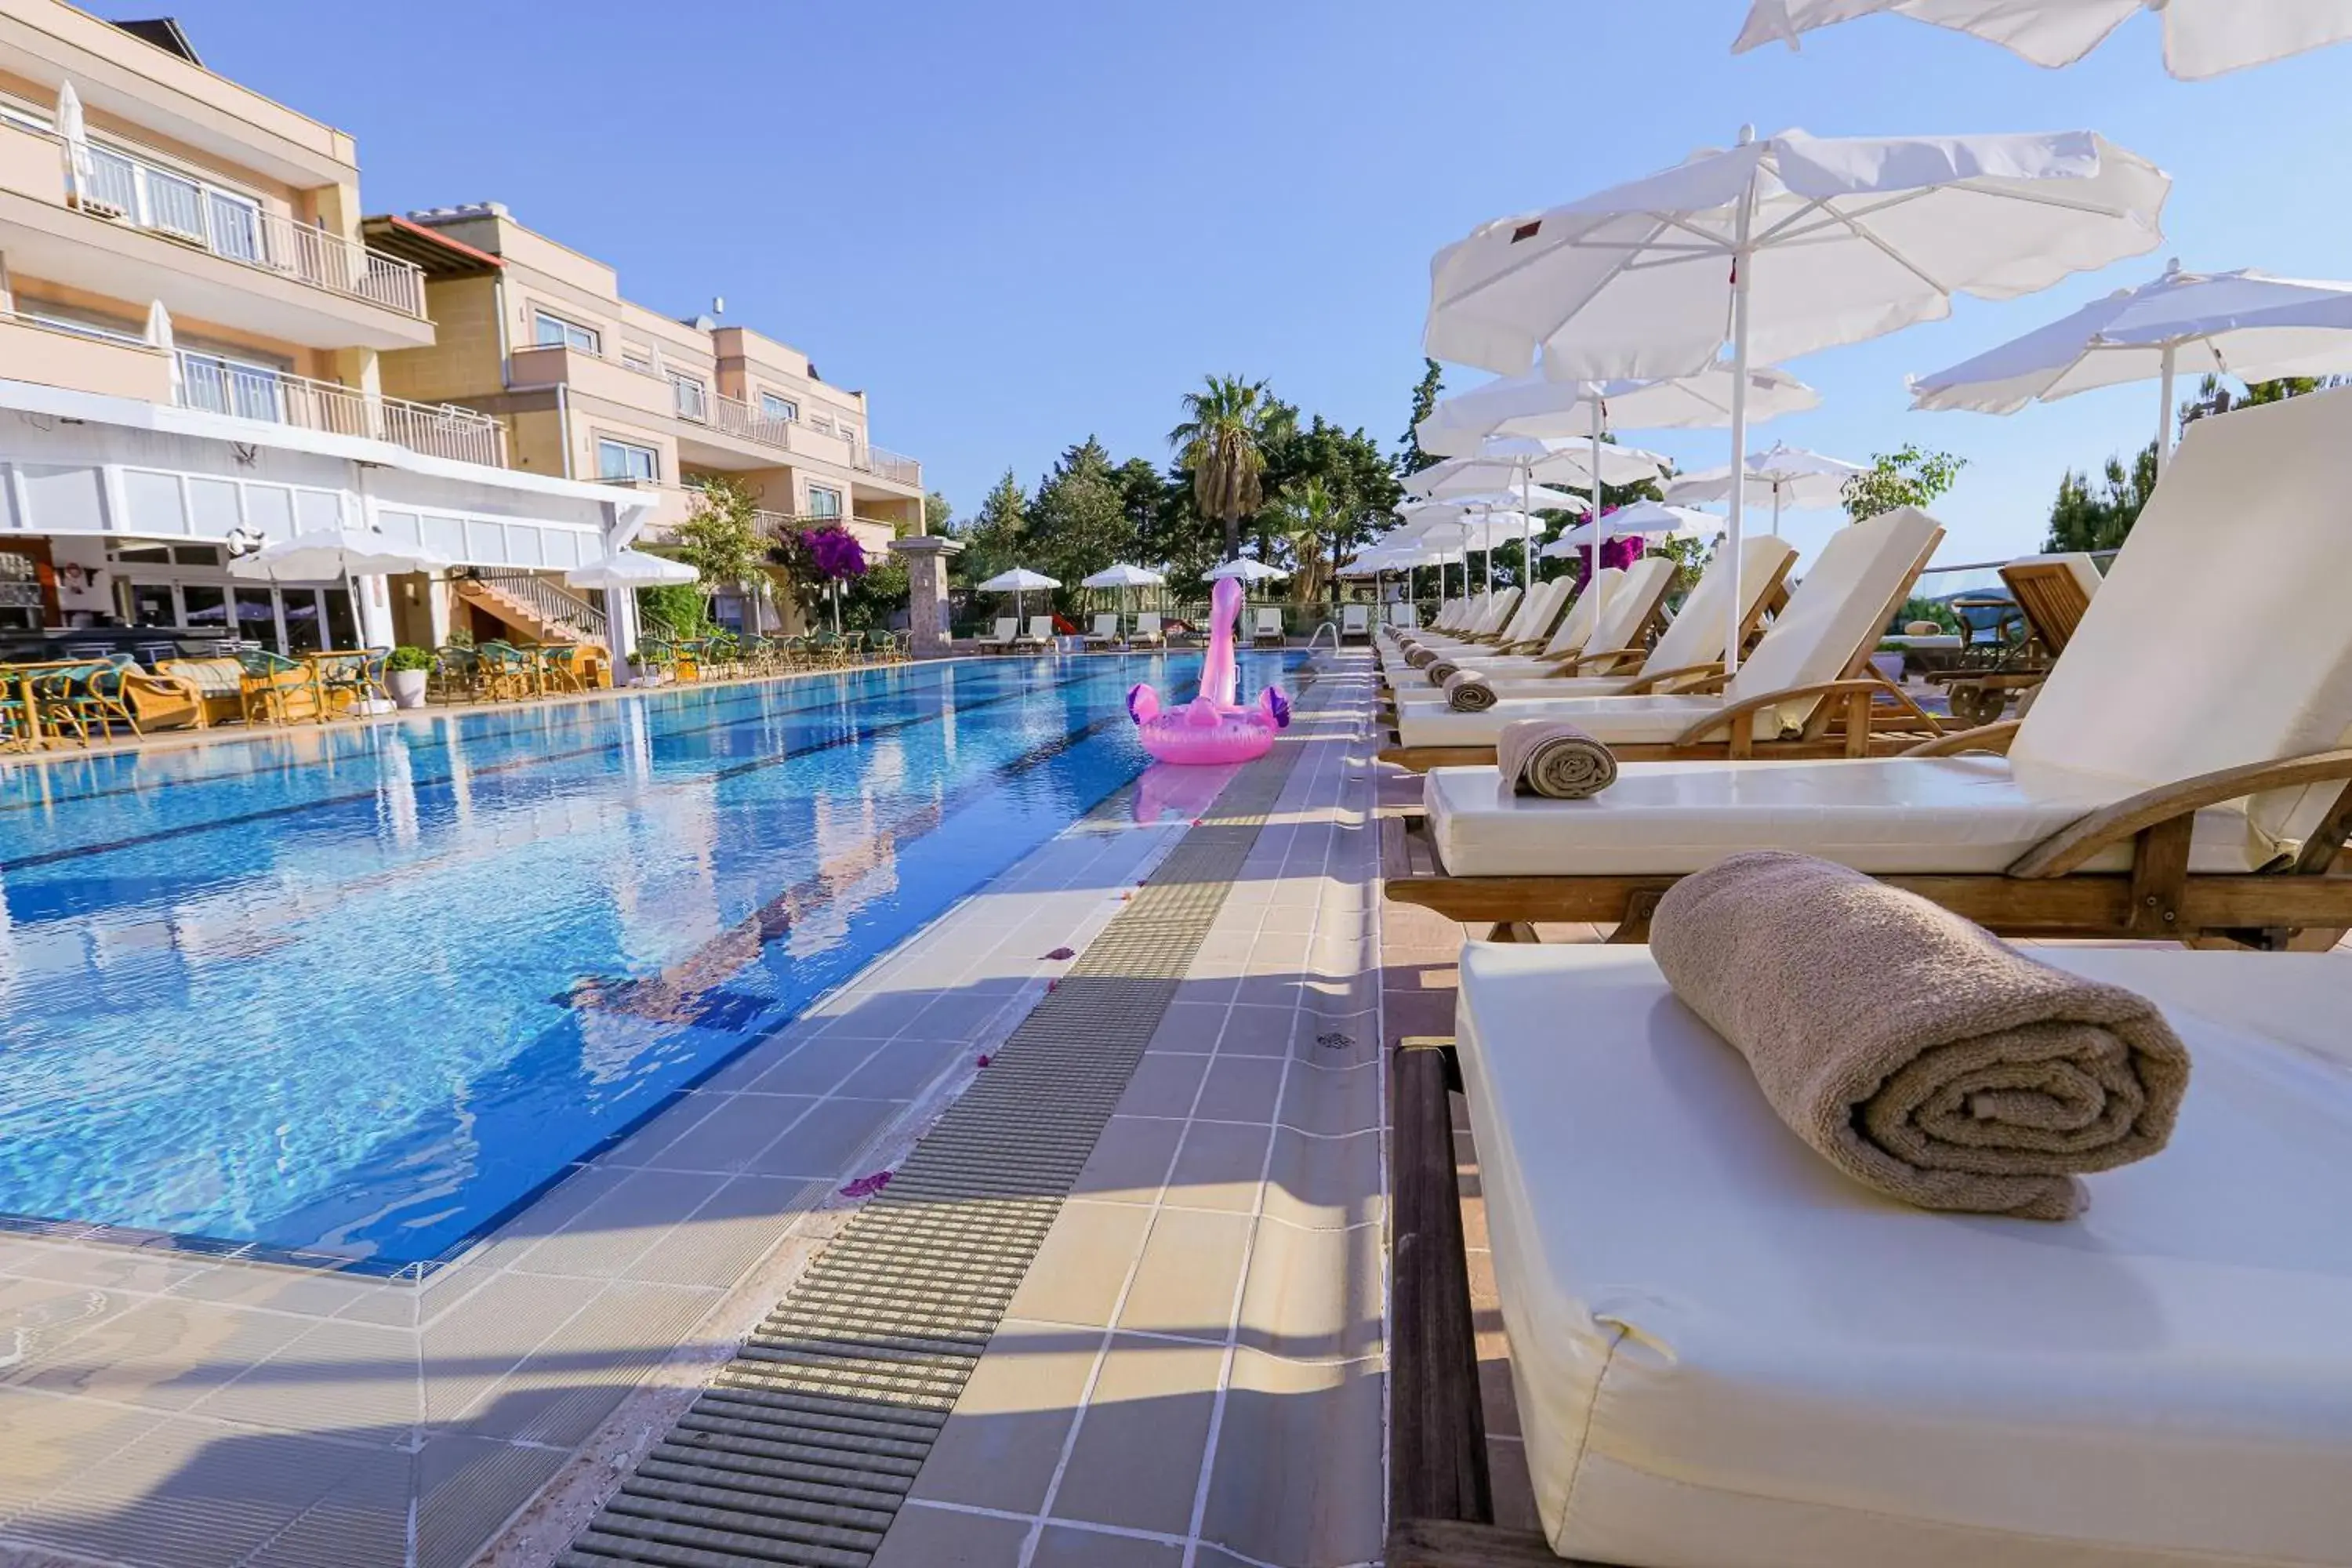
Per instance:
{"type": "Point", "coordinates": [1911, 1049]}
{"type": "Point", "coordinates": [1421, 657]}
{"type": "Point", "coordinates": [1444, 670]}
{"type": "Point", "coordinates": [1469, 692]}
{"type": "Point", "coordinates": [1558, 761]}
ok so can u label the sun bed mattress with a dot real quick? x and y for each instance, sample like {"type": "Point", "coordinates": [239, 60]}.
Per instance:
{"type": "Point", "coordinates": [1885, 816]}
{"type": "Point", "coordinates": [1728, 1356]}
{"type": "Point", "coordinates": [1614, 720]}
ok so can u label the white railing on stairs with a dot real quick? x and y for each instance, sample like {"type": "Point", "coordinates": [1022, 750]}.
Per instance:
{"type": "Point", "coordinates": [551, 602]}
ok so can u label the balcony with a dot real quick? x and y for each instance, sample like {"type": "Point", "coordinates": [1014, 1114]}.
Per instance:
{"type": "Point", "coordinates": [729, 416]}
{"type": "Point", "coordinates": [884, 465]}
{"type": "Point", "coordinates": [245, 392]}
{"type": "Point", "coordinates": [134, 230]}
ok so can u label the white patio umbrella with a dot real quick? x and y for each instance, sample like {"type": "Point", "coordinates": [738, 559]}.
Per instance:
{"type": "Point", "coordinates": [2246, 324]}
{"type": "Point", "coordinates": [631, 569]}
{"type": "Point", "coordinates": [1784, 477]}
{"type": "Point", "coordinates": [343, 551]}
{"type": "Point", "coordinates": [1506, 463]}
{"type": "Point", "coordinates": [2202, 38]}
{"type": "Point", "coordinates": [1123, 577]}
{"type": "Point", "coordinates": [1537, 405]}
{"type": "Point", "coordinates": [1019, 583]}
{"type": "Point", "coordinates": [1791, 244]}
{"type": "Point", "coordinates": [1246, 571]}
{"type": "Point", "coordinates": [1647, 518]}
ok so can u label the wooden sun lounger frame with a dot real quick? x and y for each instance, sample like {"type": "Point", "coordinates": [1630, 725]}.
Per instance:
{"type": "Point", "coordinates": [2302, 905]}
{"type": "Point", "coordinates": [1862, 714]}
{"type": "Point", "coordinates": [2053, 605]}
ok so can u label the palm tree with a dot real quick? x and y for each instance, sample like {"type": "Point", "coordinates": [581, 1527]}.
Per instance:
{"type": "Point", "coordinates": [1310, 520]}
{"type": "Point", "coordinates": [1229, 424]}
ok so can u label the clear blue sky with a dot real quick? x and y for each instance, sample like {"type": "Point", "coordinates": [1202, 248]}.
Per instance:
{"type": "Point", "coordinates": [1018, 224]}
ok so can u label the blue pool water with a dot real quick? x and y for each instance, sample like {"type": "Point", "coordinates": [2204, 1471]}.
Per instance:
{"type": "Point", "coordinates": [356, 993]}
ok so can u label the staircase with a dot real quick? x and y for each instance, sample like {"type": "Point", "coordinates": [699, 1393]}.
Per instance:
{"type": "Point", "coordinates": [538, 609]}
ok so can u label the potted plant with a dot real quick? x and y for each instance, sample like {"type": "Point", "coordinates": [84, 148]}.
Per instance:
{"type": "Point", "coordinates": [405, 674]}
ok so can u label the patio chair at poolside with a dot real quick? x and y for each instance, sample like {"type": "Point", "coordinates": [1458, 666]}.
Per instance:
{"type": "Point", "coordinates": [351, 681]}
{"type": "Point", "coordinates": [1807, 690]}
{"type": "Point", "coordinates": [275, 689]}
{"type": "Point", "coordinates": [509, 674]}
{"type": "Point", "coordinates": [2053, 593]}
{"type": "Point", "coordinates": [1038, 637]}
{"type": "Point", "coordinates": [1404, 617]}
{"type": "Point", "coordinates": [456, 675]}
{"type": "Point", "coordinates": [1105, 632]}
{"type": "Point", "coordinates": [1725, 1350]}
{"type": "Point", "coordinates": [218, 684]}
{"type": "Point", "coordinates": [1008, 632]}
{"type": "Point", "coordinates": [1149, 631]}
{"type": "Point", "coordinates": [2161, 787]}
{"type": "Point", "coordinates": [1356, 621]}
{"type": "Point", "coordinates": [1266, 628]}
{"type": "Point", "coordinates": [1612, 624]}
{"type": "Point", "coordinates": [160, 701]}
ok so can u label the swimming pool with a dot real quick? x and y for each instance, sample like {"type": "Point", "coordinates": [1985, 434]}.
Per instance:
{"type": "Point", "coordinates": [354, 994]}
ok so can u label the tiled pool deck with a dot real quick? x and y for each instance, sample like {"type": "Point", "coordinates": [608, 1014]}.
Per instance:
{"type": "Point", "coordinates": [1191, 1373]}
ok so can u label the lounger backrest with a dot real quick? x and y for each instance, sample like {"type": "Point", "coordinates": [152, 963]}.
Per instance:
{"type": "Point", "coordinates": [1007, 627]}
{"type": "Point", "coordinates": [1522, 624]}
{"type": "Point", "coordinates": [1835, 617]}
{"type": "Point", "coordinates": [1106, 626]}
{"type": "Point", "coordinates": [1554, 596]}
{"type": "Point", "coordinates": [1697, 632]}
{"type": "Point", "coordinates": [1499, 611]}
{"type": "Point", "coordinates": [1355, 617]}
{"type": "Point", "coordinates": [2220, 637]}
{"type": "Point", "coordinates": [1041, 628]}
{"type": "Point", "coordinates": [1575, 632]}
{"type": "Point", "coordinates": [1406, 614]}
{"type": "Point", "coordinates": [1147, 622]}
{"type": "Point", "coordinates": [1631, 603]}
{"type": "Point", "coordinates": [2055, 591]}
{"type": "Point", "coordinates": [1269, 621]}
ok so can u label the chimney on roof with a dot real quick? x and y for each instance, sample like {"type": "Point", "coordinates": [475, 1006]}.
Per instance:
{"type": "Point", "coordinates": [164, 33]}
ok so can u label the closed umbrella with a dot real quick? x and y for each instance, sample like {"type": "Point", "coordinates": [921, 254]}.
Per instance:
{"type": "Point", "coordinates": [1785, 477]}
{"type": "Point", "coordinates": [2202, 38]}
{"type": "Point", "coordinates": [2246, 324]}
{"type": "Point", "coordinates": [159, 338]}
{"type": "Point", "coordinates": [1019, 583]}
{"type": "Point", "coordinates": [1791, 244]}
{"type": "Point", "coordinates": [73, 136]}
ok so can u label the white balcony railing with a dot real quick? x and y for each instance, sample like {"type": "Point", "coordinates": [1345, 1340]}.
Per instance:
{"type": "Point", "coordinates": [885, 465]}
{"type": "Point", "coordinates": [115, 185]}
{"type": "Point", "coordinates": [697, 405]}
{"type": "Point", "coordinates": [250, 392]}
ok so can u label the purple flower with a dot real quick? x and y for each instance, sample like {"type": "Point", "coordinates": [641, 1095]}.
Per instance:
{"type": "Point", "coordinates": [835, 553]}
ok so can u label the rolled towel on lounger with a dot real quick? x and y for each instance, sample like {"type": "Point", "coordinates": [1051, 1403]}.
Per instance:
{"type": "Point", "coordinates": [1421, 657]}
{"type": "Point", "coordinates": [1914, 1050]}
{"type": "Point", "coordinates": [1469, 692]}
{"type": "Point", "coordinates": [1558, 761]}
{"type": "Point", "coordinates": [1444, 670]}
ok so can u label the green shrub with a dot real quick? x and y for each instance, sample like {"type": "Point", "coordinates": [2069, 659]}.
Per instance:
{"type": "Point", "coordinates": [405, 657]}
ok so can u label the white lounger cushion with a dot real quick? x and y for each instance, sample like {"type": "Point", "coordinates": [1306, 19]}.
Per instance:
{"type": "Point", "coordinates": [1632, 600]}
{"type": "Point", "coordinates": [1725, 1355]}
{"type": "Point", "coordinates": [1923, 815]}
{"type": "Point", "coordinates": [1838, 609]}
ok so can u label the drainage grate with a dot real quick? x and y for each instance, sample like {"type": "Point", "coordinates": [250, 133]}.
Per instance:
{"type": "Point", "coordinates": [802, 1450]}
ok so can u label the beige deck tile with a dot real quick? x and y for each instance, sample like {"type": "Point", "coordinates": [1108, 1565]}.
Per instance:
{"type": "Point", "coordinates": [470, 1347]}
{"type": "Point", "coordinates": [1163, 1086]}
{"type": "Point", "coordinates": [823, 1142]}
{"type": "Point", "coordinates": [575, 1376]}
{"type": "Point", "coordinates": [466, 1486]}
{"type": "Point", "coordinates": [1191, 1027]}
{"type": "Point", "coordinates": [941, 1538]}
{"type": "Point", "coordinates": [1001, 1447]}
{"type": "Point", "coordinates": [1314, 1295]}
{"type": "Point", "coordinates": [1067, 1546]}
{"type": "Point", "coordinates": [45, 1444]}
{"type": "Point", "coordinates": [1083, 1264]}
{"type": "Point", "coordinates": [1241, 1088]}
{"type": "Point", "coordinates": [728, 1233]}
{"type": "Point", "coordinates": [620, 1224]}
{"type": "Point", "coordinates": [1136, 1462]}
{"type": "Point", "coordinates": [367, 1376]}
{"type": "Point", "coordinates": [1130, 1161]}
{"type": "Point", "coordinates": [165, 1352]}
{"type": "Point", "coordinates": [1332, 1183]}
{"type": "Point", "coordinates": [1258, 1030]}
{"type": "Point", "coordinates": [1220, 1166]}
{"type": "Point", "coordinates": [1185, 1283]}
{"type": "Point", "coordinates": [1335, 1100]}
{"type": "Point", "coordinates": [1297, 1479]}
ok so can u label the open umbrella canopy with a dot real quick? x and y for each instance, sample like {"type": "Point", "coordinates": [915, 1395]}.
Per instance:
{"type": "Point", "coordinates": [1644, 519]}
{"type": "Point", "coordinates": [1246, 571]}
{"type": "Point", "coordinates": [326, 553]}
{"type": "Point", "coordinates": [2202, 38]}
{"type": "Point", "coordinates": [1124, 577]}
{"type": "Point", "coordinates": [1537, 405]}
{"type": "Point", "coordinates": [2245, 324]}
{"type": "Point", "coordinates": [1502, 465]}
{"type": "Point", "coordinates": [1783, 475]}
{"type": "Point", "coordinates": [1020, 579]}
{"type": "Point", "coordinates": [631, 569]}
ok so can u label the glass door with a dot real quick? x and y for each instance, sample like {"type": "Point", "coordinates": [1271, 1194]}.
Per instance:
{"type": "Point", "coordinates": [257, 618]}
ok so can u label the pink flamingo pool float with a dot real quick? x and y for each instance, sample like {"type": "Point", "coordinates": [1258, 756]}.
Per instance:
{"type": "Point", "coordinates": [1212, 729]}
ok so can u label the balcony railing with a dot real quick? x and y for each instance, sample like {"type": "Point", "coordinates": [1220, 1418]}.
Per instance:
{"type": "Point", "coordinates": [697, 405]}
{"type": "Point", "coordinates": [115, 185]}
{"type": "Point", "coordinates": [886, 465]}
{"type": "Point", "coordinates": [250, 392]}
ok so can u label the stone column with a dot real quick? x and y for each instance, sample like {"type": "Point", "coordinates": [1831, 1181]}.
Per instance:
{"type": "Point", "coordinates": [926, 555]}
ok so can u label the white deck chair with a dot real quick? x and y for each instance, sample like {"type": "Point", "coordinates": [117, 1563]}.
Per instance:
{"type": "Point", "coordinates": [1542, 606]}
{"type": "Point", "coordinates": [1724, 1351]}
{"type": "Point", "coordinates": [1106, 631]}
{"type": "Point", "coordinates": [1633, 599]}
{"type": "Point", "coordinates": [1039, 638]}
{"type": "Point", "coordinates": [1008, 627]}
{"type": "Point", "coordinates": [1493, 612]}
{"type": "Point", "coordinates": [1355, 621]}
{"type": "Point", "coordinates": [1404, 615]}
{"type": "Point", "coordinates": [1148, 632]}
{"type": "Point", "coordinates": [1825, 635]}
{"type": "Point", "coordinates": [1267, 628]}
{"type": "Point", "coordinates": [2139, 756]}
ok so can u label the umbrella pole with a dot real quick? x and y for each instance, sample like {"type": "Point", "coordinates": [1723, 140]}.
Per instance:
{"type": "Point", "coordinates": [1599, 528]}
{"type": "Point", "coordinates": [1528, 521]}
{"type": "Point", "coordinates": [1742, 262]}
{"type": "Point", "coordinates": [1776, 509]}
{"type": "Point", "coordinates": [2164, 410]}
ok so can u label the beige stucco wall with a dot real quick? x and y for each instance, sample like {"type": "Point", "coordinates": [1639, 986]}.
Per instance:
{"type": "Point", "coordinates": [84, 365]}
{"type": "Point", "coordinates": [463, 361]}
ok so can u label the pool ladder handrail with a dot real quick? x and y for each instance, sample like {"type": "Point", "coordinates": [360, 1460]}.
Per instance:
{"type": "Point", "coordinates": [1331, 627]}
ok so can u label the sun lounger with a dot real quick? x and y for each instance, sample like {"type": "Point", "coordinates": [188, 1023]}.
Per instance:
{"type": "Point", "coordinates": [1483, 621]}
{"type": "Point", "coordinates": [1355, 621]}
{"type": "Point", "coordinates": [1148, 632]}
{"type": "Point", "coordinates": [1635, 599]}
{"type": "Point", "coordinates": [1267, 628]}
{"type": "Point", "coordinates": [1404, 615]}
{"type": "Point", "coordinates": [1105, 632]}
{"type": "Point", "coordinates": [1568, 639]}
{"type": "Point", "coordinates": [1723, 1352]}
{"type": "Point", "coordinates": [2162, 787]}
{"type": "Point", "coordinates": [2054, 592]}
{"type": "Point", "coordinates": [1008, 630]}
{"type": "Point", "coordinates": [1039, 638]}
{"type": "Point", "coordinates": [1806, 691]}
{"type": "Point", "coordinates": [1530, 625]}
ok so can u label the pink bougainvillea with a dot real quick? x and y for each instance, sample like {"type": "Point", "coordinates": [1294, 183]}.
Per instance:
{"type": "Point", "coordinates": [837, 554]}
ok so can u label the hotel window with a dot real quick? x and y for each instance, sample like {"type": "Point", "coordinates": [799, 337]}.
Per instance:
{"type": "Point", "coordinates": [628, 461]}
{"type": "Point", "coordinates": [554, 332]}
{"type": "Point", "coordinates": [775, 407]}
{"type": "Point", "coordinates": [823, 502]}
{"type": "Point", "coordinates": [693, 398]}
